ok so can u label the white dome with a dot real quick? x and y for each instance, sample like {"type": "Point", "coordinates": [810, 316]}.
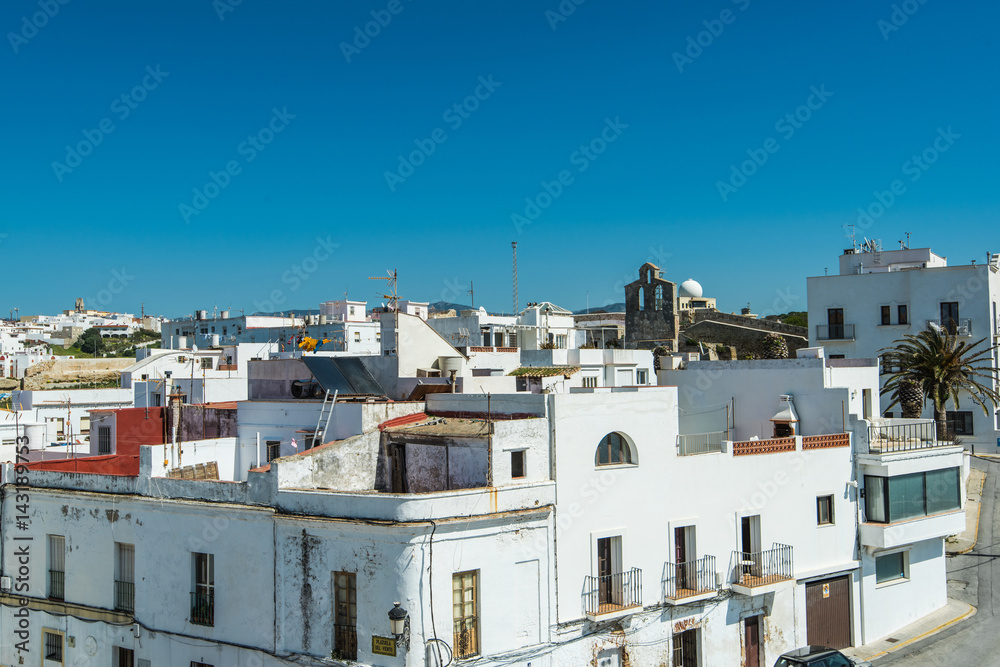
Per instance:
{"type": "Point", "coordinates": [691, 288]}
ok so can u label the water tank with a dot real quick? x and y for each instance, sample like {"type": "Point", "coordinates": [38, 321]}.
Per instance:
{"type": "Point", "coordinates": [214, 340]}
{"type": "Point", "coordinates": [37, 435]}
{"type": "Point", "coordinates": [178, 342]}
{"type": "Point", "coordinates": [322, 320]}
{"type": "Point", "coordinates": [223, 314]}
{"type": "Point", "coordinates": [449, 364]}
{"type": "Point", "coordinates": [201, 314]}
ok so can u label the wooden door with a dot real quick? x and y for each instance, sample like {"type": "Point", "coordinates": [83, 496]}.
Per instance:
{"type": "Point", "coordinates": [751, 630]}
{"type": "Point", "coordinates": [604, 569]}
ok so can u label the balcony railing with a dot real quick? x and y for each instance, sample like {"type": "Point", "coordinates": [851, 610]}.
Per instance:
{"type": "Point", "coordinates": [125, 596]}
{"type": "Point", "coordinates": [684, 580]}
{"type": "Point", "coordinates": [613, 592]}
{"type": "Point", "coordinates": [959, 327]}
{"type": "Point", "coordinates": [834, 332]}
{"type": "Point", "coordinates": [700, 443]}
{"type": "Point", "coordinates": [203, 608]}
{"type": "Point", "coordinates": [762, 568]}
{"type": "Point", "coordinates": [902, 436]}
{"type": "Point", "coordinates": [345, 641]}
{"type": "Point", "coordinates": [57, 585]}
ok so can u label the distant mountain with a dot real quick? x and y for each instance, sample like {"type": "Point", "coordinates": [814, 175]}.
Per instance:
{"type": "Point", "coordinates": [610, 308]}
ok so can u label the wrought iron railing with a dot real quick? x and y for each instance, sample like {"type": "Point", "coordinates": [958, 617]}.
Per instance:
{"type": "Point", "coordinates": [466, 637]}
{"type": "Point", "coordinates": [690, 578]}
{"type": "Point", "coordinates": [125, 596]}
{"type": "Point", "coordinates": [834, 332]}
{"type": "Point", "coordinates": [57, 585]}
{"type": "Point", "coordinates": [203, 608]}
{"type": "Point", "coordinates": [700, 443]}
{"type": "Point", "coordinates": [902, 436]}
{"type": "Point", "coordinates": [959, 327]}
{"type": "Point", "coordinates": [345, 641]}
{"type": "Point", "coordinates": [759, 568]}
{"type": "Point", "coordinates": [613, 592]}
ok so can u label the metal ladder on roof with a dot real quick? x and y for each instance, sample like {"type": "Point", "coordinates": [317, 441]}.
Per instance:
{"type": "Point", "coordinates": [325, 413]}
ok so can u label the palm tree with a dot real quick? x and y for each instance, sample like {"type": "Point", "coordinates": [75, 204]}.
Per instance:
{"type": "Point", "coordinates": [944, 367]}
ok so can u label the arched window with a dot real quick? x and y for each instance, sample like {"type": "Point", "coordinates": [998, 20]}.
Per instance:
{"type": "Point", "coordinates": [642, 299]}
{"type": "Point", "coordinates": [613, 450]}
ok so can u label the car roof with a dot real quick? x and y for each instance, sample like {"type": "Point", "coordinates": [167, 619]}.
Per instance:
{"type": "Point", "coordinates": [808, 652]}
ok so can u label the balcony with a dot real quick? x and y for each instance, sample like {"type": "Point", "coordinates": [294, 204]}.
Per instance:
{"type": "Point", "coordinates": [613, 595]}
{"type": "Point", "coordinates": [834, 332]}
{"type": "Point", "coordinates": [901, 533]}
{"type": "Point", "coordinates": [959, 327]}
{"type": "Point", "coordinates": [125, 597]}
{"type": "Point", "coordinates": [886, 436]}
{"type": "Point", "coordinates": [57, 585]}
{"type": "Point", "coordinates": [691, 581]}
{"type": "Point", "coordinates": [203, 608]}
{"type": "Point", "coordinates": [700, 443]}
{"type": "Point", "coordinates": [759, 572]}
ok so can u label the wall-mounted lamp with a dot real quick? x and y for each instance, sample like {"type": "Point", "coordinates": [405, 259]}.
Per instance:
{"type": "Point", "coordinates": [399, 621]}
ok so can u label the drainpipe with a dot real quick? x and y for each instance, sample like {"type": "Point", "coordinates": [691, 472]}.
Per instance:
{"type": "Point", "coordinates": [452, 381]}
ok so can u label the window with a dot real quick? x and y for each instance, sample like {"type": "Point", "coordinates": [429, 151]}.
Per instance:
{"type": "Point", "coordinates": [824, 510]}
{"type": "Point", "coordinates": [891, 567]}
{"type": "Point", "coordinates": [206, 363]}
{"type": "Point", "coordinates": [124, 657]}
{"type": "Point", "coordinates": [836, 356]}
{"type": "Point", "coordinates": [345, 632]}
{"type": "Point", "coordinates": [959, 423]}
{"type": "Point", "coordinates": [357, 336]}
{"type": "Point", "coordinates": [273, 449]}
{"type": "Point", "coordinates": [517, 464]}
{"type": "Point", "coordinates": [103, 439]}
{"type": "Point", "coordinates": [57, 567]}
{"type": "Point", "coordinates": [902, 315]}
{"type": "Point", "coordinates": [890, 499]}
{"type": "Point", "coordinates": [641, 377]}
{"type": "Point", "coordinates": [84, 425]}
{"type": "Point", "coordinates": [658, 292]}
{"type": "Point", "coordinates": [203, 597]}
{"type": "Point", "coordinates": [512, 340]}
{"type": "Point", "coordinates": [886, 316]}
{"type": "Point", "coordinates": [60, 427]}
{"type": "Point", "coordinates": [835, 323]}
{"type": "Point", "coordinates": [351, 309]}
{"type": "Point", "coordinates": [613, 449]}
{"type": "Point", "coordinates": [590, 382]}
{"type": "Point", "coordinates": [124, 577]}
{"type": "Point", "coordinates": [53, 645]}
{"type": "Point", "coordinates": [685, 649]}
{"type": "Point", "coordinates": [465, 600]}
{"type": "Point", "coordinates": [642, 299]}
{"type": "Point", "coordinates": [949, 316]}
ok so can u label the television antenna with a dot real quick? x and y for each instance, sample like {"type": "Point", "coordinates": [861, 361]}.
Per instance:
{"type": "Point", "coordinates": [391, 281]}
{"type": "Point", "coordinates": [850, 235]}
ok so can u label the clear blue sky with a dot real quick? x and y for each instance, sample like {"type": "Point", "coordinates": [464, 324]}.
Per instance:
{"type": "Point", "coordinates": [555, 85]}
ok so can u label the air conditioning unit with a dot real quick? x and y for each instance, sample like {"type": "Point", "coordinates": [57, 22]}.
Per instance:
{"type": "Point", "coordinates": [6, 583]}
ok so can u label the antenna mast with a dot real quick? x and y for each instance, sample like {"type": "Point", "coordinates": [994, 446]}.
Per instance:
{"type": "Point", "coordinates": [513, 245]}
{"type": "Point", "coordinates": [392, 295]}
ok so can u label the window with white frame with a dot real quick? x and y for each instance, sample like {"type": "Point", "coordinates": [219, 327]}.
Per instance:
{"type": "Point", "coordinates": [590, 382]}
{"type": "Point", "coordinates": [641, 377]}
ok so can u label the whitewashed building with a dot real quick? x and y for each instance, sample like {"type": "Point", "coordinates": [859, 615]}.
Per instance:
{"type": "Point", "coordinates": [877, 297]}
{"type": "Point", "coordinates": [506, 527]}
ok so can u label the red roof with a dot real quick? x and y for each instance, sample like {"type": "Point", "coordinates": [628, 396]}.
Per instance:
{"type": "Point", "coordinates": [112, 464]}
{"type": "Point", "coordinates": [402, 421]}
{"type": "Point", "coordinates": [220, 405]}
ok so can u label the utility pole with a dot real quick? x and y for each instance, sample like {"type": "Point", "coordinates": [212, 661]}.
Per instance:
{"type": "Point", "coordinates": [472, 294]}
